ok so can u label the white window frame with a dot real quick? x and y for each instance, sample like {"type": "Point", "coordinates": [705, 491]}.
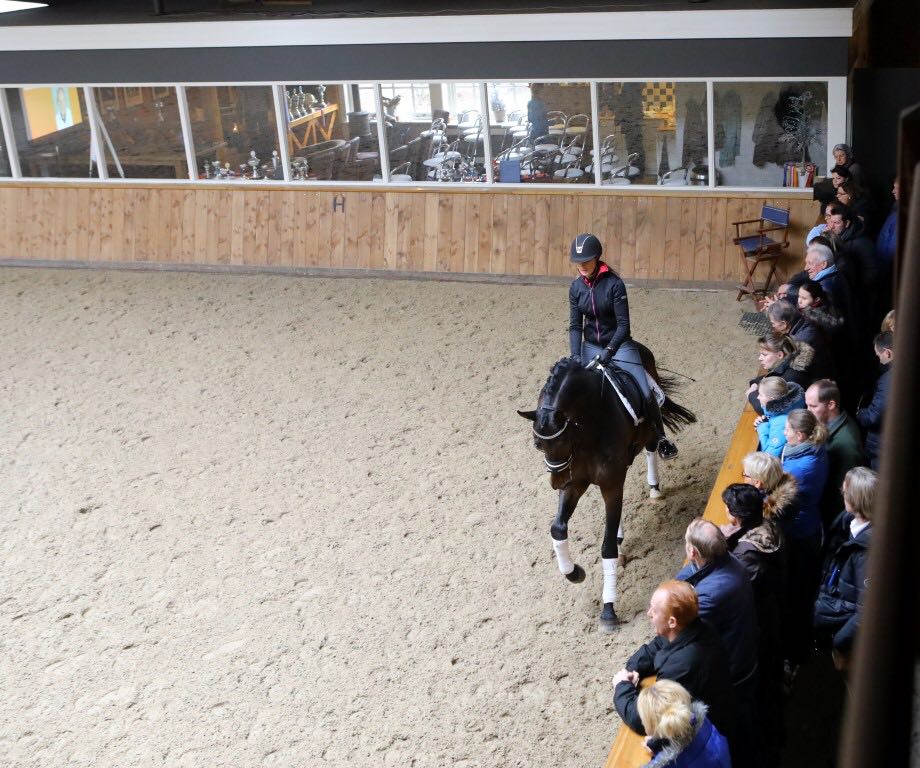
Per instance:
{"type": "Point", "coordinates": [836, 127]}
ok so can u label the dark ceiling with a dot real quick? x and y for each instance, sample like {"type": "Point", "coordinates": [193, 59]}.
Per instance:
{"type": "Point", "coordinates": [134, 11]}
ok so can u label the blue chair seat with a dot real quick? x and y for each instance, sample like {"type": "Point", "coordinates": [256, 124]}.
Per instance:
{"type": "Point", "coordinates": [756, 243]}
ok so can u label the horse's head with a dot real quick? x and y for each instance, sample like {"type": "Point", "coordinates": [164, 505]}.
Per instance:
{"type": "Point", "coordinates": [554, 430]}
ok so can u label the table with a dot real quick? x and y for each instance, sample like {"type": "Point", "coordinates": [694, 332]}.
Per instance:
{"type": "Point", "coordinates": [314, 125]}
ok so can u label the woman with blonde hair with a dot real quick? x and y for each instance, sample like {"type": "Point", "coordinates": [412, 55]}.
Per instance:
{"type": "Point", "coordinates": [765, 472]}
{"type": "Point", "coordinates": [805, 458]}
{"type": "Point", "coordinates": [843, 584]}
{"type": "Point", "coordinates": [679, 733]}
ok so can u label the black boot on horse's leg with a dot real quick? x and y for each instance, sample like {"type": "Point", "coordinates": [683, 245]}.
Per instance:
{"type": "Point", "coordinates": [666, 449]}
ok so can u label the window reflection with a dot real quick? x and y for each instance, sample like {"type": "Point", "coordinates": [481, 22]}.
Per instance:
{"type": "Point", "coordinates": [51, 129]}
{"type": "Point", "coordinates": [435, 132]}
{"type": "Point", "coordinates": [331, 133]}
{"type": "Point", "coordinates": [141, 132]}
{"type": "Point", "coordinates": [543, 132]}
{"type": "Point", "coordinates": [653, 133]}
{"type": "Point", "coordinates": [234, 132]}
{"type": "Point", "coordinates": [760, 127]}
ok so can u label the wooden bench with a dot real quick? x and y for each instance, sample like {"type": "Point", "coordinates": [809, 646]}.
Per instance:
{"type": "Point", "coordinates": [628, 750]}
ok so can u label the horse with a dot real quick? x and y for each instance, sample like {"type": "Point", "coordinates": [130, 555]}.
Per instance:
{"type": "Point", "coordinates": [588, 437]}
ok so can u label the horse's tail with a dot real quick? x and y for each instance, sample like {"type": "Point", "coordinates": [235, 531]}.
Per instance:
{"type": "Point", "coordinates": [674, 415]}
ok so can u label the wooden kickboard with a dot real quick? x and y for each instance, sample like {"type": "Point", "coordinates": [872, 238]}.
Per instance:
{"type": "Point", "coordinates": [628, 750]}
{"type": "Point", "coordinates": [743, 442]}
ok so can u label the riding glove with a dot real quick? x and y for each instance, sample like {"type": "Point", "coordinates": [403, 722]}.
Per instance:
{"type": "Point", "coordinates": [605, 356]}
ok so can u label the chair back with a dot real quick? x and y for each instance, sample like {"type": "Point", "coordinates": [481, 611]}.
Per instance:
{"type": "Point", "coordinates": [778, 216]}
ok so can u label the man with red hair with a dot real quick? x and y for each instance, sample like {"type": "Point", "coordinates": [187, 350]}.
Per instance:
{"type": "Point", "coordinates": [686, 650]}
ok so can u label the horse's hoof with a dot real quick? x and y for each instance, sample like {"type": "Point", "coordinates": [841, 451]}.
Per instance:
{"type": "Point", "coordinates": [654, 492]}
{"type": "Point", "coordinates": [608, 621]}
{"type": "Point", "coordinates": [577, 575]}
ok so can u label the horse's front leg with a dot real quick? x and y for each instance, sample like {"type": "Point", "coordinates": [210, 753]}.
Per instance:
{"type": "Point", "coordinates": [613, 504]}
{"type": "Point", "coordinates": [559, 530]}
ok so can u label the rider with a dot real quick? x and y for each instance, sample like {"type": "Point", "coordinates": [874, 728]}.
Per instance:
{"type": "Point", "coordinates": [599, 325]}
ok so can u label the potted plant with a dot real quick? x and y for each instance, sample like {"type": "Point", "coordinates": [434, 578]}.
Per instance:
{"type": "Point", "coordinates": [800, 129]}
{"type": "Point", "coordinates": [498, 107]}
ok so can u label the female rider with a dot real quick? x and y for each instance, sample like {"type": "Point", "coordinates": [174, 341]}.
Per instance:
{"type": "Point", "coordinates": [599, 325]}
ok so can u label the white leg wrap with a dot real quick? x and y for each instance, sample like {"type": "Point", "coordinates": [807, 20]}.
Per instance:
{"type": "Point", "coordinates": [620, 530]}
{"type": "Point", "coordinates": [561, 548]}
{"type": "Point", "coordinates": [610, 579]}
{"type": "Point", "coordinates": [651, 464]}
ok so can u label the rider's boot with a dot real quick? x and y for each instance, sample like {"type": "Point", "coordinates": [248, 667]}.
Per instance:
{"type": "Point", "coordinates": [666, 449]}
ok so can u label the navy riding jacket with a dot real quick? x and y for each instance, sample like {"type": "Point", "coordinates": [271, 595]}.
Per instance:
{"type": "Point", "coordinates": [598, 311]}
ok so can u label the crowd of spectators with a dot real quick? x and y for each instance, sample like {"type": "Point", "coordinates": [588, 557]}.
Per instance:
{"type": "Point", "coordinates": [785, 577]}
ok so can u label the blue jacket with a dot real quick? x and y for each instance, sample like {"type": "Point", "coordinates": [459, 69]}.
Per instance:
{"type": "Point", "coordinates": [727, 602]}
{"type": "Point", "coordinates": [808, 464]}
{"type": "Point", "coordinates": [770, 431]}
{"type": "Point", "coordinates": [709, 749]}
{"type": "Point", "coordinates": [870, 418]}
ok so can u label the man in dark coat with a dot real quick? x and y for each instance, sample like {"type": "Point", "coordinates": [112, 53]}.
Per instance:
{"type": "Point", "coordinates": [686, 649]}
{"type": "Point", "coordinates": [844, 443]}
{"type": "Point", "coordinates": [871, 417]}
{"type": "Point", "coordinates": [726, 600]}
{"type": "Point", "coordinates": [857, 260]}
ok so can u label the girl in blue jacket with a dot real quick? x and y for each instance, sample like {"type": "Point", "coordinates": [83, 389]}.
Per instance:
{"type": "Point", "coordinates": [805, 458]}
{"type": "Point", "coordinates": [777, 397]}
{"type": "Point", "coordinates": [679, 733]}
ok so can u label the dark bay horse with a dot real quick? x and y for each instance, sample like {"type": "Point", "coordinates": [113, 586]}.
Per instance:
{"type": "Point", "coordinates": [589, 438]}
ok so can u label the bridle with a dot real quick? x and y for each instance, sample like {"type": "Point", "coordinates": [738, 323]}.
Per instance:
{"type": "Point", "coordinates": [561, 466]}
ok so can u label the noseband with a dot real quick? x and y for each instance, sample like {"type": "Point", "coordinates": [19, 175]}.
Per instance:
{"type": "Point", "coordinates": [561, 466]}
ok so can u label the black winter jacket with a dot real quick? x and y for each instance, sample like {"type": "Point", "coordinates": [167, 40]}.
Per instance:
{"type": "Point", "coordinates": [598, 310]}
{"type": "Point", "coordinates": [843, 582]}
{"type": "Point", "coordinates": [822, 365]}
{"type": "Point", "coordinates": [697, 660]}
{"type": "Point", "coordinates": [870, 417]}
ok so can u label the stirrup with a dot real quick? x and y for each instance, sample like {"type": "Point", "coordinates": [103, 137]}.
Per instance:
{"type": "Point", "coordinates": [666, 449]}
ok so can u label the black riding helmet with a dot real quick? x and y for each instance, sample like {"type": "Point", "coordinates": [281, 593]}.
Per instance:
{"type": "Point", "coordinates": [584, 248]}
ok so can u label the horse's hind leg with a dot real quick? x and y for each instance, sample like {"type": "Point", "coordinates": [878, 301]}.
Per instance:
{"type": "Point", "coordinates": [651, 474]}
{"type": "Point", "coordinates": [559, 530]}
{"type": "Point", "coordinates": [613, 503]}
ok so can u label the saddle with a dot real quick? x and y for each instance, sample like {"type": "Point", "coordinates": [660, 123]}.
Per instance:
{"type": "Point", "coordinates": [627, 390]}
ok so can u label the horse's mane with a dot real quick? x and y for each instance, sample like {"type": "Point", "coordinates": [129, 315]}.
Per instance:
{"type": "Point", "coordinates": [558, 374]}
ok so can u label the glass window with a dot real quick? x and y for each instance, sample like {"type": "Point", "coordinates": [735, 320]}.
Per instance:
{"type": "Point", "coordinates": [51, 128]}
{"type": "Point", "coordinates": [760, 127]}
{"type": "Point", "coordinates": [653, 133]}
{"type": "Point", "coordinates": [141, 134]}
{"type": "Point", "coordinates": [543, 132]}
{"type": "Point", "coordinates": [327, 141]}
{"type": "Point", "coordinates": [5, 169]}
{"type": "Point", "coordinates": [234, 132]}
{"type": "Point", "coordinates": [444, 142]}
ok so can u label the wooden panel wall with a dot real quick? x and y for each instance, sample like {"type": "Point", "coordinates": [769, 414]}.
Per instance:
{"type": "Point", "coordinates": [645, 235]}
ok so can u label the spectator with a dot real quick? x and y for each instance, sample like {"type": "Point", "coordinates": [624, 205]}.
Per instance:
{"type": "Point", "coordinates": [888, 322]}
{"type": "Point", "coordinates": [844, 583]}
{"type": "Point", "coordinates": [814, 304]}
{"type": "Point", "coordinates": [786, 319]}
{"type": "Point", "coordinates": [844, 443]}
{"type": "Point", "coordinates": [843, 156]}
{"type": "Point", "coordinates": [805, 458]}
{"type": "Point", "coordinates": [757, 543]}
{"type": "Point", "coordinates": [854, 197]}
{"type": "Point", "coordinates": [686, 650]}
{"type": "Point", "coordinates": [821, 267]}
{"type": "Point", "coordinates": [888, 236]}
{"type": "Point", "coordinates": [870, 418]}
{"type": "Point", "coordinates": [536, 112]}
{"type": "Point", "coordinates": [777, 397]}
{"type": "Point", "coordinates": [765, 472]}
{"type": "Point", "coordinates": [855, 254]}
{"type": "Point", "coordinates": [726, 600]}
{"type": "Point", "coordinates": [680, 734]}
{"type": "Point", "coordinates": [783, 357]}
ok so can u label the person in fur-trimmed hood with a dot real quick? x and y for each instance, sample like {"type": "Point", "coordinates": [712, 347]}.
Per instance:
{"type": "Point", "coordinates": [777, 397]}
{"type": "Point", "coordinates": [680, 734]}
{"type": "Point", "coordinates": [782, 356]}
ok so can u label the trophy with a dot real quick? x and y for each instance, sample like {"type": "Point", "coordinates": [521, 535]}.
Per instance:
{"type": "Point", "coordinates": [301, 99]}
{"type": "Point", "coordinates": [321, 95]}
{"type": "Point", "coordinates": [290, 105]}
{"type": "Point", "coordinates": [207, 169]}
{"type": "Point", "coordinates": [253, 163]}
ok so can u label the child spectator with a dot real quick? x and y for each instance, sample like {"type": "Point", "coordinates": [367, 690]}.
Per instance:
{"type": "Point", "coordinates": [843, 583]}
{"type": "Point", "coordinates": [777, 397]}
{"type": "Point", "coordinates": [871, 417]}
